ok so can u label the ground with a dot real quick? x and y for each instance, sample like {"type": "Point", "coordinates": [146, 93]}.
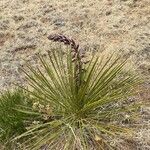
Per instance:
{"type": "Point", "coordinates": [114, 25]}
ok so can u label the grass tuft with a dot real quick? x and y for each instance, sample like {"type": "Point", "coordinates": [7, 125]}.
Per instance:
{"type": "Point", "coordinates": [13, 120]}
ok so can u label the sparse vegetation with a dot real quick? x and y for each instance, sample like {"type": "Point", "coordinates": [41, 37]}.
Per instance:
{"type": "Point", "coordinates": [100, 27]}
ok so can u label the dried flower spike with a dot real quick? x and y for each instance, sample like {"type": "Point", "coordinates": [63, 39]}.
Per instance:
{"type": "Point", "coordinates": [77, 54]}
{"type": "Point", "coordinates": [65, 40]}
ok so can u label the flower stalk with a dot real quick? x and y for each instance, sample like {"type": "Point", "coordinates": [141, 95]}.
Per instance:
{"type": "Point", "coordinates": [77, 56]}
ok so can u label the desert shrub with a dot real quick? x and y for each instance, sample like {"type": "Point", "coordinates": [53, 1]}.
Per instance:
{"type": "Point", "coordinates": [13, 116]}
{"type": "Point", "coordinates": [86, 99]}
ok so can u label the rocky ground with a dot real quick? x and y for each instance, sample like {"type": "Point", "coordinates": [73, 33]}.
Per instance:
{"type": "Point", "coordinates": [114, 25]}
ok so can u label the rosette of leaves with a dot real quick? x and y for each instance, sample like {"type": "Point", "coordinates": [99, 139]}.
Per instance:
{"type": "Point", "coordinates": [86, 99]}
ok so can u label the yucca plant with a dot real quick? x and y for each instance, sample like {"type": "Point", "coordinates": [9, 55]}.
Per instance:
{"type": "Point", "coordinates": [86, 99]}
{"type": "Point", "coordinates": [14, 119]}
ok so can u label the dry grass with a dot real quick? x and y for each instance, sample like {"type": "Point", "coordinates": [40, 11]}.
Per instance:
{"type": "Point", "coordinates": [103, 25]}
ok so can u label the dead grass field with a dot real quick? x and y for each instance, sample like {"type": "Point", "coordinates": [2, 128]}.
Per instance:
{"type": "Point", "coordinates": [99, 25]}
